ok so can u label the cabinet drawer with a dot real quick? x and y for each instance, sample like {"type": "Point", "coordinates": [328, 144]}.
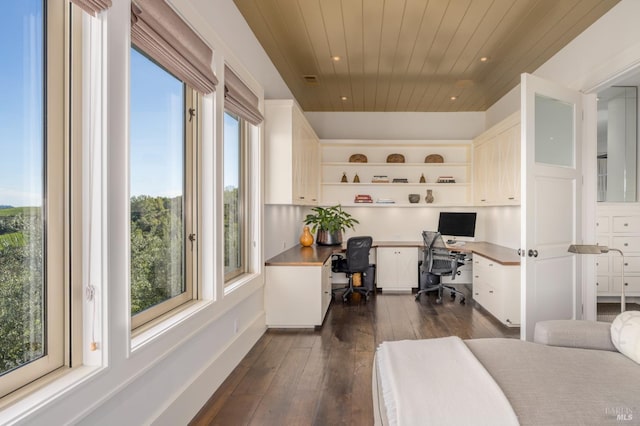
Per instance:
{"type": "Point", "coordinates": [631, 264]}
{"type": "Point", "coordinates": [602, 264]}
{"type": "Point", "coordinates": [632, 285]}
{"type": "Point", "coordinates": [626, 244]}
{"type": "Point", "coordinates": [602, 284]}
{"type": "Point", "coordinates": [626, 224]}
{"type": "Point", "coordinates": [602, 225]}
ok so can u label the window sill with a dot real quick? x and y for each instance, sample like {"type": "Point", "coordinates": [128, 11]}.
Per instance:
{"type": "Point", "coordinates": [238, 282]}
{"type": "Point", "coordinates": [148, 332]}
{"type": "Point", "coordinates": [19, 405]}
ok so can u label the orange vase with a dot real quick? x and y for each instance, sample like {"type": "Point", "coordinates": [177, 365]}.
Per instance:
{"type": "Point", "coordinates": [306, 239]}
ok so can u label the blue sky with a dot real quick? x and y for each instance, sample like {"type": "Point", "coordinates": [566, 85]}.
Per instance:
{"type": "Point", "coordinates": [21, 103]}
{"type": "Point", "coordinates": [156, 126]}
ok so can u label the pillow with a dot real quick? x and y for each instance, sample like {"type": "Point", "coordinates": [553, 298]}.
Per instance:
{"type": "Point", "coordinates": [625, 334]}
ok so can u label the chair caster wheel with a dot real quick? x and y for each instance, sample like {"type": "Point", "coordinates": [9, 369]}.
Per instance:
{"type": "Point", "coordinates": [462, 301]}
{"type": "Point", "coordinates": [439, 300]}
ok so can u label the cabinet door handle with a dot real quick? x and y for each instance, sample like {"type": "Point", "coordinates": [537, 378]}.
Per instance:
{"type": "Point", "coordinates": [477, 294]}
{"type": "Point", "coordinates": [626, 284]}
{"type": "Point", "coordinates": [626, 224]}
{"type": "Point", "coordinates": [626, 244]}
{"type": "Point", "coordinates": [491, 291]}
{"type": "Point", "coordinates": [512, 198]}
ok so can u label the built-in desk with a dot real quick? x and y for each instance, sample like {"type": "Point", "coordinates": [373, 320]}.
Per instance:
{"type": "Point", "coordinates": [298, 280]}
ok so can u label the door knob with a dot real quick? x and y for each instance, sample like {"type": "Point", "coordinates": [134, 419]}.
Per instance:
{"type": "Point", "coordinates": [533, 253]}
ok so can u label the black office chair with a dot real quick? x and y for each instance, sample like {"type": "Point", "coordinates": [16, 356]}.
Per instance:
{"type": "Point", "coordinates": [356, 259]}
{"type": "Point", "coordinates": [437, 262]}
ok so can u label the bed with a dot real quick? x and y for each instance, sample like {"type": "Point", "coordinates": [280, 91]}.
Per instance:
{"type": "Point", "coordinates": [572, 374]}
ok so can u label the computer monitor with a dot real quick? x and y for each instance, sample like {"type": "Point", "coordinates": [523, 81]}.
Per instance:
{"type": "Point", "coordinates": [459, 226]}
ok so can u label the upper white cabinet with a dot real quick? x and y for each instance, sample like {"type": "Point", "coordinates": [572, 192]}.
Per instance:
{"type": "Point", "coordinates": [376, 176]}
{"type": "Point", "coordinates": [292, 160]}
{"type": "Point", "coordinates": [496, 164]}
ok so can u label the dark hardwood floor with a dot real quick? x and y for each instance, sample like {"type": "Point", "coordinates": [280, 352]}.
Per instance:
{"type": "Point", "coordinates": [323, 376]}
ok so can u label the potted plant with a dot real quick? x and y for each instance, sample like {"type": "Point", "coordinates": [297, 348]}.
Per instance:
{"type": "Point", "coordinates": [330, 222]}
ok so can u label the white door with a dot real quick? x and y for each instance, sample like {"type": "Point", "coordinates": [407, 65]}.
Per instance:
{"type": "Point", "coordinates": [551, 119]}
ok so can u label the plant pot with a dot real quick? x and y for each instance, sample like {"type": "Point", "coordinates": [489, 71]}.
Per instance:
{"type": "Point", "coordinates": [326, 238]}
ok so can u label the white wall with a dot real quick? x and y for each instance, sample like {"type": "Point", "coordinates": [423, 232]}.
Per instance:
{"type": "Point", "coordinates": [282, 228]}
{"type": "Point", "coordinates": [397, 125]}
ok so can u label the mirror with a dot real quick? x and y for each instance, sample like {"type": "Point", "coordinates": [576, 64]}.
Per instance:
{"type": "Point", "coordinates": [617, 144]}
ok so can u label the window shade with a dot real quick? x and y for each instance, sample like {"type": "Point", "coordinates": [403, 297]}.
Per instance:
{"type": "Point", "coordinates": [92, 7]}
{"type": "Point", "coordinates": [158, 31]}
{"type": "Point", "coordinates": [239, 99]}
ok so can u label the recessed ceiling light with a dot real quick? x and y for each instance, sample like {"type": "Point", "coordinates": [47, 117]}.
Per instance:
{"type": "Point", "coordinates": [484, 59]}
{"type": "Point", "coordinates": [453, 98]}
{"type": "Point", "coordinates": [344, 98]}
{"type": "Point", "coordinates": [335, 58]}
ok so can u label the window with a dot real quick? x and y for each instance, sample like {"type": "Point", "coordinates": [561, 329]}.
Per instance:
{"type": "Point", "coordinates": [163, 118]}
{"type": "Point", "coordinates": [33, 213]}
{"type": "Point", "coordinates": [235, 197]}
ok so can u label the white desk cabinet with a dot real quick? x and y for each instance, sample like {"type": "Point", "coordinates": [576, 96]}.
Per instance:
{"type": "Point", "coordinates": [497, 288]}
{"type": "Point", "coordinates": [397, 268]}
{"type": "Point", "coordinates": [297, 296]}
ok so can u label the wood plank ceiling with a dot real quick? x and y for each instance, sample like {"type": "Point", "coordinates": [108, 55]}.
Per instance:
{"type": "Point", "coordinates": [412, 55]}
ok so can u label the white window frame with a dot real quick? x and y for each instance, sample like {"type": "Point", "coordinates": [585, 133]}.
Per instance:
{"type": "Point", "coordinates": [62, 235]}
{"type": "Point", "coordinates": [232, 277]}
{"type": "Point", "coordinates": [151, 316]}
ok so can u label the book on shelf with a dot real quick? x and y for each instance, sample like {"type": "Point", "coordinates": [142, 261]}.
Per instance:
{"type": "Point", "coordinates": [380, 179]}
{"type": "Point", "coordinates": [385, 201]}
{"type": "Point", "coordinates": [446, 179]}
{"type": "Point", "coordinates": [400, 180]}
{"type": "Point", "coordinates": [363, 198]}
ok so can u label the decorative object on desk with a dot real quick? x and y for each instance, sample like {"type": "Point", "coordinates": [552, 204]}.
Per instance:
{"type": "Point", "coordinates": [400, 180]}
{"type": "Point", "coordinates": [306, 239]}
{"type": "Point", "coordinates": [429, 197]}
{"type": "Point", "coordinates": [395, 158]}
{"type": "Point", "coordinates": [446, 179]}
{"type": "Point", "coordinates": [434, 158]}
{"type": "Point", "coordinates": [422, 179]}
{"type": "Point", "coordinates": [344, 178]}
{"type": "Point", "coordinates": [414, 198]}
{"type": "Point", "coordinates": [358, 158]}
{"type": "Point", "coordinates": [363, 198]}
{"type": "Point", "coordinates": [594, 249]}
{"type": "Point", "coordinates": [330, 222]}
{"type": "Point", "coordinates": [380, 179]}
{"type": "Point", "coordinates": [356, 179]}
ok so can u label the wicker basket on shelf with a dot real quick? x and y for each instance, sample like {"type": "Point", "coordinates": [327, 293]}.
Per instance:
{"type": "Point", "coordinates": [434, 158]}
{"type": "Point", "coordinates": [395, 158]}
{"type": "Point", "coordinates": [358, 158]}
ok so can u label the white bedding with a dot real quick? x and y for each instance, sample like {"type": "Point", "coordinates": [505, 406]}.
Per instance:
{"type": "Point", "coordinates": [438, 382]}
